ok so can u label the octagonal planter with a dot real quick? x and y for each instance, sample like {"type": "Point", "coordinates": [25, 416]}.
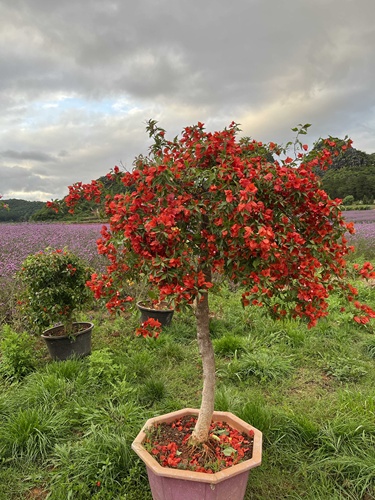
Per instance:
{"type": "Point", "coordinates": [175, 484]}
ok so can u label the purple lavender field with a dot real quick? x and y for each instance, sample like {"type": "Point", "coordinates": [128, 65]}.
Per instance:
{"type": "Point", "coordinates": [360, 216]}
{"type": "Point", "coordinates": [17, 241]}
{"type": "Point", "coordinates": [364, 223]}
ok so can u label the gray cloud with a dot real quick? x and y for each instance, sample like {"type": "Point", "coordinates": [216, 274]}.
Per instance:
{"type": "Point", "coordinates": [27, 155]}
{"type": "Point", "coordinates": [79, 79]}
{"type": "Point", "coordinates": [20, 179]}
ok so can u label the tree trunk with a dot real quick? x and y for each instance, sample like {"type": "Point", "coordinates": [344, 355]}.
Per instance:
{"type": "Point", "coordinates": [200, 433]}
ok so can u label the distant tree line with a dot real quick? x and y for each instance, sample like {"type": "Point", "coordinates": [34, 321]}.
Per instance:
{"type": "Point", "coordinates": [352, 174]}
{"type": "Point", "coordinates": [20, 210]}
{"type": "Point", "coordinates": [37, 211]}
{"type": "Point", "coordinates": [351, 177]}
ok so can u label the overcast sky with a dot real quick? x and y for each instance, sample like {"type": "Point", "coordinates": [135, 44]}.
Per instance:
{"type": "Point", "coordinates": [80, 78]}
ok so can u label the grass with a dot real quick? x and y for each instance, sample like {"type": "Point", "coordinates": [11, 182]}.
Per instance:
{"type": "Point", "coordinates": [67, 427]}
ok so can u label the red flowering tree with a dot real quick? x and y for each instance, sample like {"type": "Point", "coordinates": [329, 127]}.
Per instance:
{"type": "Point", "coordinates": [209, 204]}
{"type": "Point", "coordinates": [2, 204]}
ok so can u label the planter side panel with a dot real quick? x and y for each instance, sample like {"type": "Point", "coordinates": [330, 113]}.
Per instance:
{"type": "Point", "coordinates": [165, 488]}
{"type": "Point", "coordinates": [163, 317]}
{"type": "Point", "coordinates": [63, 348]}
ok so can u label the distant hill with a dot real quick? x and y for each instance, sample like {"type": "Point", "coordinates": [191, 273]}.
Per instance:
{"type": "Point", "coordinates": [352, 173]}
{"type": "Point", "coordinates": [20, 210]}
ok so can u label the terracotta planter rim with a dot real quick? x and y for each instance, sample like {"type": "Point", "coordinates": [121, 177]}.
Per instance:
{"type": "Point", "coordinates": [203, 477]}
{"type": "Point", "coordinates": [86, 325]}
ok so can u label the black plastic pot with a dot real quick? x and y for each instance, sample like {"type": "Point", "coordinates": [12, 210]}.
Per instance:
{"type": "Point", "coordinates": [62, 347]}
{"type": "Point", "coordinates": [164, 316]}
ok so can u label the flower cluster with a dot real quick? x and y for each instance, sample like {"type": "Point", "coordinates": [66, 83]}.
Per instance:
{"type": "Point", "coordinates": [149, 328]}
{"type": "Point", "coordinates": [367, 271]}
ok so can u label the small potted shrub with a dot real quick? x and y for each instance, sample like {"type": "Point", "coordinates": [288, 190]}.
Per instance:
{"type": "Point", "coordinates": [54, 290]}
{"type": "Point", "coordinates": [205, 205]}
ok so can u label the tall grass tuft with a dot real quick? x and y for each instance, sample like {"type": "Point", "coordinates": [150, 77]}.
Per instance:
{"type": "Point", "coordinates": [31, 433]}
{"type": "Point", "coordinates": [265, 365]}
{"type": "Point", "coordinates": [228, 345]}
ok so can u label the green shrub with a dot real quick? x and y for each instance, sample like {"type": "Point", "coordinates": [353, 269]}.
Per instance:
{"type": "Point", "coordinates": [102, 368]}
{"type": "Point", "coordinates": [17, 354]}
{"type": "Point", "coordinates": [348, 200]}
{"type": "Point", "coordinates": [54, 287]}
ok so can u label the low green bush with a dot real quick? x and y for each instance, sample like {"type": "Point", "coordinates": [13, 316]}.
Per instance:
{"type": "Point", "coordinates": [17, 357]}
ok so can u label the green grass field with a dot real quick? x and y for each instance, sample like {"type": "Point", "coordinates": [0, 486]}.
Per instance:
{"type": "Point", "coordinates": [67, 427]}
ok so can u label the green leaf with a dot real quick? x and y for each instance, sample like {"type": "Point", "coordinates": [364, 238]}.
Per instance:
{"type": "Point", "coordinates": [224, 432]}
{"type": "Point", "coordinates": [256, 263]}
{"type": "Point", "coordinates": [229, 451]}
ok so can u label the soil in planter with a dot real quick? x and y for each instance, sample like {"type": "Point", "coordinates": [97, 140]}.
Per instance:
{"type": "Point", "coordinates": [169, 444]}
{"type": "Point", "coordinates": [59, 331]}
{"type": "Point", "coordinates": [160, 306]}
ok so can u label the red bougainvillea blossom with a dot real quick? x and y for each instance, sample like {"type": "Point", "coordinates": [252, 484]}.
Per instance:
{"type": "Point", "coordinates": [3, 205]}
{"type": "Point", "coordinates": [149, 328]}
